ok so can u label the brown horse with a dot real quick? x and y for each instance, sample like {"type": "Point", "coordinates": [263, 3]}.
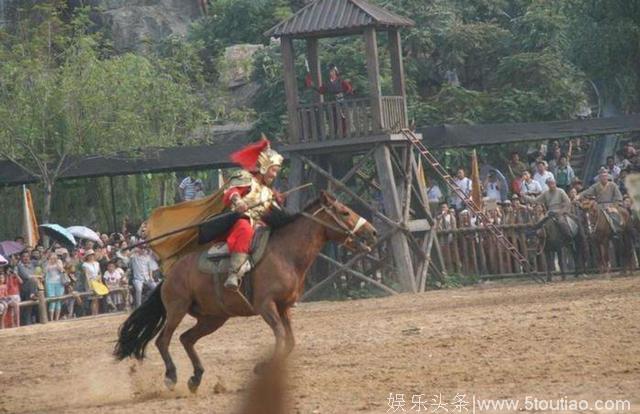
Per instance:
{"type": "Point", "coordinates": [601, 234]}
{"type": "Point", "coordinates": [278, 281]}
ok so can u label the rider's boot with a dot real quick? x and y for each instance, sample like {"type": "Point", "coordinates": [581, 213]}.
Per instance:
{"type": "Point", "coordinates": [238, 266]}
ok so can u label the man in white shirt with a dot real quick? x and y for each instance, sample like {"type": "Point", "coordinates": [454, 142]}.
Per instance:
{"type": "Point", "coordinates": [542, 175]}
{"type": "Point", "coordinates": [529, 186]}
{"type": "Point", "coordinates": [465, 185]}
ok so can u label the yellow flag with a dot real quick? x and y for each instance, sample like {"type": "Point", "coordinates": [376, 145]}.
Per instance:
{"type": "Point", "coordinates": [476, 188]}
{"type": "Point", "coordinates": [29, 222]}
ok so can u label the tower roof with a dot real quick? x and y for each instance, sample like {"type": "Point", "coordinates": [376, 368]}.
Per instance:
{"type": "Point", "coordinates": [337, 17]}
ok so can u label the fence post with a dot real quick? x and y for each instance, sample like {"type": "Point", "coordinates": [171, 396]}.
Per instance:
{"type": "Point", "coordinates": [42, 306]}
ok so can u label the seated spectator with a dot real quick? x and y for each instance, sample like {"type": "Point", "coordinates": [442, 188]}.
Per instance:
{"type": "Point", "coordinates": [114, 278]}
{"type": "Point", "coordinates": [54, 284]}
{"type": "Point", "coordinates": [542, 175]}
{"type": "Point", "coordinates": [563, 173]}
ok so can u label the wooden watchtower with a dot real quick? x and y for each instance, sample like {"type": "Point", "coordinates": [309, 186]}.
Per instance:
{"type": "Point", "coordinates": [353, 146]}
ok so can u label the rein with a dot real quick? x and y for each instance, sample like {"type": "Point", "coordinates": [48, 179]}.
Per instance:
{"type": "Point", "coordinates": [350, 234]}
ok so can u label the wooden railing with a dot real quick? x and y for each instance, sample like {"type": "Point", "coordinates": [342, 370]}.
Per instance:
{"type": "Point", "coordinates": [351, 118]}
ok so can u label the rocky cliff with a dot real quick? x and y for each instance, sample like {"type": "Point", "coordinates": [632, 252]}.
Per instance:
{"type": "Point", "coordinates": [131, 23]}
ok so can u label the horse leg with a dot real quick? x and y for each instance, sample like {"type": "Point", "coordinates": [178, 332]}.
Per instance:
{"type": "Point", "coordinates": [549, 256]}
{"type": "Point", "coordinates": [290, 342]}
{"type": "Point", "coordinates": [205, 326]}
{"type": "Point", "coordinates": [175, 312]}
{"type": "Point", "coordinates": [269, 312]}
{"type": "Point", "coordinates": [561, 262]}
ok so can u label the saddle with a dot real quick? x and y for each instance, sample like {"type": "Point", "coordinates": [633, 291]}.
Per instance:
{"type": "Point", "coordinates": [215, 261]}
{"type": "Point", "coordinates": [614, 219]}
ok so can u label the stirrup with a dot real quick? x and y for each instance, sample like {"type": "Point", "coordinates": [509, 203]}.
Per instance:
{"type": "Point", "coordinates": [232, 282]}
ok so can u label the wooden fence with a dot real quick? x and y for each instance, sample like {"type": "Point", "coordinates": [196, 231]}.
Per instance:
{"type": "Point", "coordinates": [474, 251]}
{"type": "Point", "coordinates": [41, 302]}
{"type": "Point", "coordinates": [350, 118]}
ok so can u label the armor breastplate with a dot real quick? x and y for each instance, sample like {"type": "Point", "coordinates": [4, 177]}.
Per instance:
{"type": "Point", "coordinates": [261, 196]}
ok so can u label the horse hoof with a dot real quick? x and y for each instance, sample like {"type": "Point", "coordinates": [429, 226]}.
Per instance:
{"type": "Point", "coordinates": [170, 383]}
{"type": "Point", "coordinates": [193, 384]}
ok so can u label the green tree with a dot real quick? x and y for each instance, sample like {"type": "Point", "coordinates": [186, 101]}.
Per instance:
{"type": "Point", "coordinates": [60, 101]}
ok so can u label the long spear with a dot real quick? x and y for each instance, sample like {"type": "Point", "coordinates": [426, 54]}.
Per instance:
{"type": "Point", "coordinates": [217, 217]}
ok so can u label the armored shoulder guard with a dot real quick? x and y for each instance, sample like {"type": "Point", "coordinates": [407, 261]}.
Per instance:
{"type": "Point", "coordinates": [242, 179]}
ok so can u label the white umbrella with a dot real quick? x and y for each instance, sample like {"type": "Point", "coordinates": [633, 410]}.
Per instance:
{"type": "Point", "coordinates": [86, 233]}
{"type": "Point", "coordinates": [3, 261]}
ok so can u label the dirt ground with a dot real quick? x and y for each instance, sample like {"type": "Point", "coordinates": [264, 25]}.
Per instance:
{"type": "Point", "coordinates": [566, 340]}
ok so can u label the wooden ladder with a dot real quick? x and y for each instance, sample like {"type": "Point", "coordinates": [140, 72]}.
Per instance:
{"type": "Point", "coordinates": [469, 203]}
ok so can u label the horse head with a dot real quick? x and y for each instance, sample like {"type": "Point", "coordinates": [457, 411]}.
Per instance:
{"type": "Point", "coordinates": [589, 207]}
{"type": "Point", "coordinates": [344, 225]}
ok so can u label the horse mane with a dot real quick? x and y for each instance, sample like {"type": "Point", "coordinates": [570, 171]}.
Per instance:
{"type": "Point", "coordinates": [278, 218]}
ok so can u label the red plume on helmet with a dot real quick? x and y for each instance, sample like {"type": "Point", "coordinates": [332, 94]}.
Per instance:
{"type": "Point", "coordinates": [247, 157]}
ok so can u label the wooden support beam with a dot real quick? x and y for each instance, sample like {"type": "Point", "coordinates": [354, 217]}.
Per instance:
{"type": "Point", "coordinates": [348, 263]}
{"type": "Point", "coordinates": [373, 72]}
{"type": "Point", "coordinates": [357, 274]}
{"type": "Point", "coordinates": [348, 191]}
{"type": "Point", "coordinates": [397, 70]}
{"type": "Point", "coordinates": [314, 66]}
{"type": "Point", "coordinates": [296, 172]}
{"type": "Point", "coordinates": [290, 88]}
{"type": "Point", "coordinates": [356, 167]}
{"type": "Point", "coordinates": [399, 243]}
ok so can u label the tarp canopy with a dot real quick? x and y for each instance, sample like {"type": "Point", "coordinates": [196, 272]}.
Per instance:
{"type": "Point", "coordinates": [435, 137]}
{"type": "Point", "coordinates": [451, 136]}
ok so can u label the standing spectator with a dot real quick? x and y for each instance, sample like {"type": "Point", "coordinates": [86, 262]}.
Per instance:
{"type": "Point", "coordinates": [465, 185]}
{"type": "Point", "coordinates": [114, 279]}
{"type": "Point", "coordinates": [564, 173]}
{"type": "Point", "coordinates": [434, 195]}
{"type": "Point", "coordinates": [492, 187]}
{"type": "Point", "coordinates": [142, 268]}
{"type": "Point", "coordinates": [187, 189]}
{"type": "Point", "coordinates": [515, 167]}
{"type": "Point", "coordinates": [5, 301]}
{"type": "Point", "coordinates": [542, 175]}
{"type": "Point", "coordinates": [91, 270]}
{"type": "Point", "coordinates": [13, 290]}
{"type": "Point", "coordinates": [529, 186]}
{"type": "Point", "coordinates": [29, 289]}
{"type": "Point", "coordinates": [554, 159]}
{"type": "Point", "coordinates": [54, 284]}
{"type": "Point", "coordinates": [614, 170]}
{"type": "Point", "coordinates": [446, 220]}
{"type": "Point", "coordinates": [199, 190]}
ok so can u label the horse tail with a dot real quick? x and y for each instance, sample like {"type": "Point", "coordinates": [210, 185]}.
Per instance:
{"type": "Point", "coordinates": [141, 327]}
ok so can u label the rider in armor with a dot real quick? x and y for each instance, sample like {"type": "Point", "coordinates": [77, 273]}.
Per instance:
{"type": "Point", "coordinates": [250, 193]}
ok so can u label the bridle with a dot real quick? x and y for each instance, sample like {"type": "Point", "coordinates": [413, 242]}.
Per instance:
{"type": "Point", "coordinates": [340, 226]}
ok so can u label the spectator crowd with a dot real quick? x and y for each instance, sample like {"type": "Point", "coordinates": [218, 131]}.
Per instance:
{"type": "Point", "coordinates": [508, 190]}
{"type": "Point", "coordinates": [90, 279]}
